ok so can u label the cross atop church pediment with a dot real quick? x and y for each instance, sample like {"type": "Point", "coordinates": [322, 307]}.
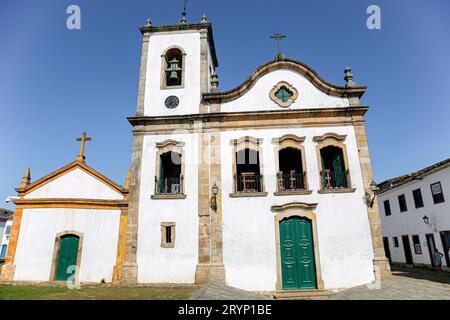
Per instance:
{"type": "Point", "coordinates": [83, 140]}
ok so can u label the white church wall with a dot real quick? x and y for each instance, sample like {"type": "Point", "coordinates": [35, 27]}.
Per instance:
{"type": "Point", "coordinates": [168, 265]}
{"type": "Point", "coordinates": [38, 230]}
{"type": "Point", "coordinates": [189, 96]}
{"type": "Point", "coordinates": [257, 98]}
{"type": "Point", "coordinates": [249, 227]}
{"type": "Point", "coordinates": [411, 222]}
{"type": "Point", "coordinates": [75, 184]}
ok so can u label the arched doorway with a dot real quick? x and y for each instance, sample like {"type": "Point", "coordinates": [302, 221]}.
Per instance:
{"type": "Point", "coordinates": [68, 256]}
{"type": "Point", "coordinates": [297, 254]}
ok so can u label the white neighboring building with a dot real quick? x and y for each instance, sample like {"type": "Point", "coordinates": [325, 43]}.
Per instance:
{"type": "Point", "coordinates": [415, 215]}
{"type": "Point", "coordinates": [6, 217]}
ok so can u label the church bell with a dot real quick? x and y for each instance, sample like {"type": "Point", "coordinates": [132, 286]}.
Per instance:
{"type": "Point", "coordinates": [174, 69]}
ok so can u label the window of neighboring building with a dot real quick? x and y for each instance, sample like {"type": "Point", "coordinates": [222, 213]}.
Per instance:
{"type": "Point", "coordinates": [396, 242]}
{"type": "Point", "coordinates": [417, 246]}
{"type": "Point", "coordinates": [418, 200]}
{"type": "Point", "coordinates": [402, 203]}
{"type": "Point", "coordinates": [8, 230]}
{"type": "Point", "coordinates": [168, 235]}
{"type": "Point", "coordinates": [387, 208]}
{"type": "Point", "coordinates": [438, 194]}
{"type": "Point", "coordinates": [3, 252]}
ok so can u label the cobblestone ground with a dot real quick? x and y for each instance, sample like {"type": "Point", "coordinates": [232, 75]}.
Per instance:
{"type": "Point", "coordinates": [215, 291]}
{"type": "Point", "coordinates": [405, 284]}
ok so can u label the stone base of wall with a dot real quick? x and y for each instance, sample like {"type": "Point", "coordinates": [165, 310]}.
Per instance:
{"type": "Point", "coordinates": [383, 266]}
{"type": "Point", "coordinates": [202, 274]}
{"type": "Point", "coordinates": [217, 274]}
{"type": "Point", "coordinates": [129, 274]}
{"type": "Point", "coordinates": [7, 273]}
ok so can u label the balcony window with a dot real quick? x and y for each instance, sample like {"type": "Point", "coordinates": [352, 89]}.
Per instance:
{"type": "Point", "coordinates": [170, 180]}
{"type": "Point", "coordinates": [334, 174]}
{"type": "Point", "coordinates": [291, 175]}
{"type": "Point", "coordinates": [248, 175]}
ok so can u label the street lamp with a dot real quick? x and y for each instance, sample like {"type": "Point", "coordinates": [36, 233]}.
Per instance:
{"type": "Point", "coordinates": [369, 199]}
{"type": "Point", "coordinates": [215, 192]}
{"type": "Point", "coordinates": [426, 220]}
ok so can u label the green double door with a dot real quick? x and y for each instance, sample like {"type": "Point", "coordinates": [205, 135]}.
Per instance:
{"type": "Point", "coordinates": [68, 255]}
{"type": "Point", "coordinates": [297, 254]}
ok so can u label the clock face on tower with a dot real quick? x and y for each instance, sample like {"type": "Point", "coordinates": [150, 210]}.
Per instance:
{"type": "Point", "coordinates": [172, 102]}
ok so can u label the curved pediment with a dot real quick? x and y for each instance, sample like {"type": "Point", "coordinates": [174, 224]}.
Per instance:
{"type": "Point", "coordinates": [286, 64]}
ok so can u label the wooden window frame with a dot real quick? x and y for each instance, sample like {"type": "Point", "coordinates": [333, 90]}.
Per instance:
{"type": "Point", "coordinates": [396, 242]}
{"type": "Point", "coordinates": [164, 243]}
{"type": "Point", "coordinates": [241, 144]}
{"type": "Point", "coordinates": [414, 192]}
{"type": "Point", "coordinates": [417, 250]}
{"type": "Point", "coordinates": [388, 206]}
{"type": "Point", "coordinates": [333, 140]}
{"type": "Point", "coordinates": [164, 66]}
{"type": "Point", "coordinates": [442, 193]}
{"type": "Point", "coordinates": [163, 148]}
{"type": "Point", "coordinates": [402, 210]}
{"type": "Point", "coordinates": [294, 142]}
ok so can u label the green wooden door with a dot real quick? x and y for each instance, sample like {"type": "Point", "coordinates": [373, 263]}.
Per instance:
{"type": "Point", "coordinates": [68, 254]}
{"type": "Point", "coordinates": [297, 254]}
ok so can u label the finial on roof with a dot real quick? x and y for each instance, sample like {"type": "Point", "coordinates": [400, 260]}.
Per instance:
{"type": "Point", "coordinates": [148, 23]}
{"type": "Point", "coordinates": [349, 77]}
{"type": "Point", "coordinates": [204, 18]}
{"type": "Point", "coordinates": [214, 82]}
{"type": "Point", "coordinates": [184, 14]}
{"type": "Point", "coordinates": [26, 180]}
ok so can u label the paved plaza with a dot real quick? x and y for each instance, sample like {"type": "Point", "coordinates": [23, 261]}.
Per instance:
{"type": "Point", "coordinates": [405, 284]}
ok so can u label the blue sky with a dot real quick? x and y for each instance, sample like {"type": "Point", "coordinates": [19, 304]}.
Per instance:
{"type": "Point", "coordinates": [56, 83]}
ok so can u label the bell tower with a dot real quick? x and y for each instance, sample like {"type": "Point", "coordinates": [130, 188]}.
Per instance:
{"type": "Point", "coordinates": [177, 64]}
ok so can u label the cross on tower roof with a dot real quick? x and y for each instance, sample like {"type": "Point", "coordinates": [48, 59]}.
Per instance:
{"type": "Point", "coordinates": [278, 36]}
{"type": "Point", "coordinates": [83, 140]}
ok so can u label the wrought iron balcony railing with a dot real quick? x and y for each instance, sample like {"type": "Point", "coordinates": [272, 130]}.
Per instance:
{"type": "Point", "coordinates": [248, 182]}
{"type": "Point", "coordinates": [335, 180]}
{"type": "Point", "coordinates": [169, 186]}
{"type": "Point", "coordinates": [294, 181]}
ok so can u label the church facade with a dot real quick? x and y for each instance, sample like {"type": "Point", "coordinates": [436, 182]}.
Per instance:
{"type": "Point", "coordinates": [260, 187]}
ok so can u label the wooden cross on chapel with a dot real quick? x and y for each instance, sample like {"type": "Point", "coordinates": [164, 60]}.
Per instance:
{"type": "Point", "coordinates": [83, 140]}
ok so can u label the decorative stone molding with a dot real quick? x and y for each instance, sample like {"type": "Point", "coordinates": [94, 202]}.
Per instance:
{"type": "Point", "coordinates": [167, 143]}
{"type": "Point", "coordinates": [289, 88]}
{"type": "Point", "coordinates": [289, 64]}
{"type": "Point", "coordinates": [330, 135]}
